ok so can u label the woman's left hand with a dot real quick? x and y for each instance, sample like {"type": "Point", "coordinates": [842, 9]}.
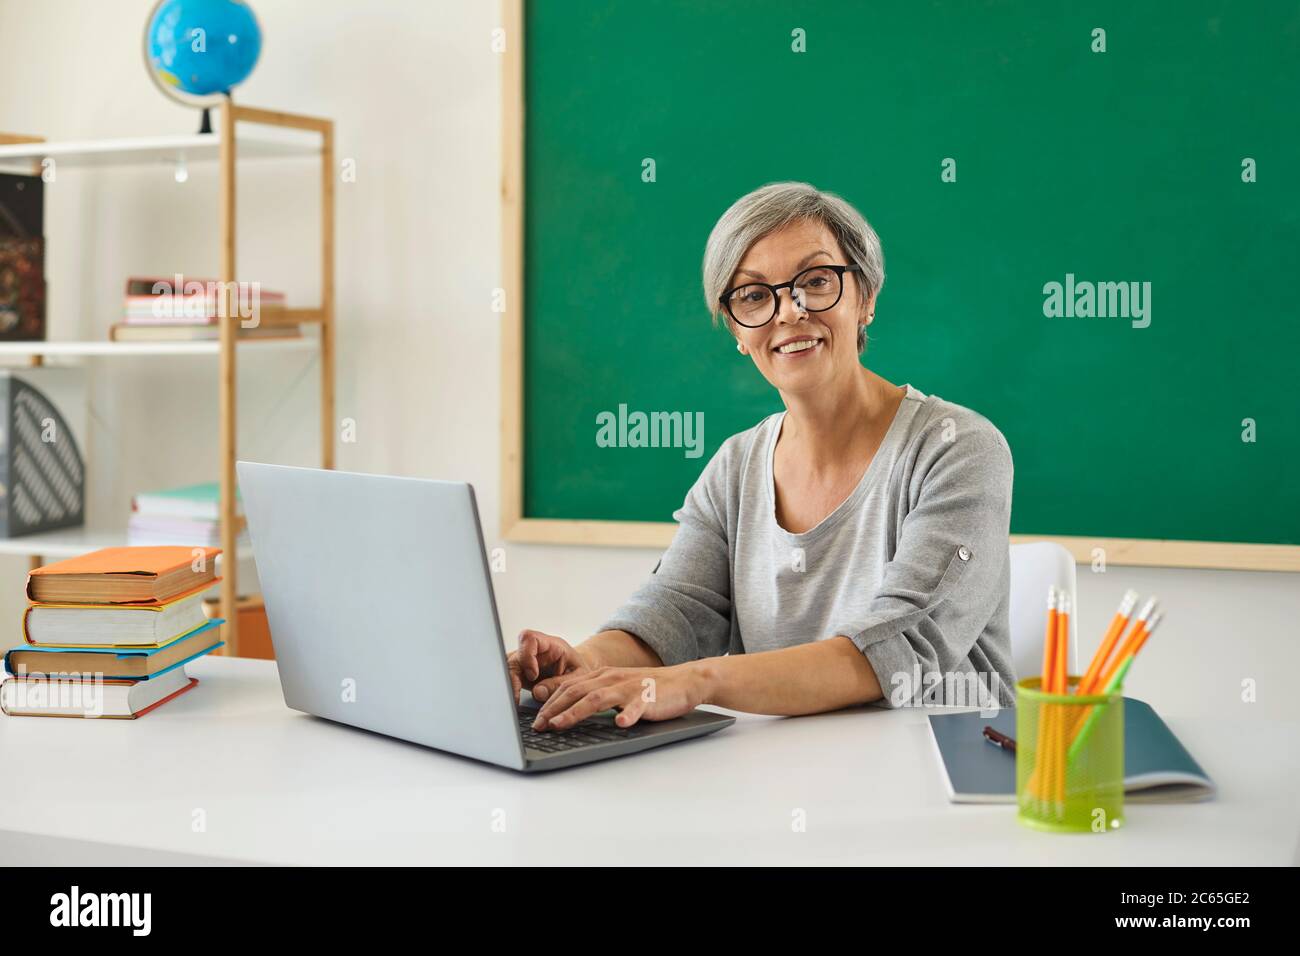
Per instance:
{"type": "Point", "coordinates": [640, 693]}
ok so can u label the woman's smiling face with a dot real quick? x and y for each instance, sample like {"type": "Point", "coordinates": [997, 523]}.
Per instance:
{"type": "Point", "coordinates": [776, 347]}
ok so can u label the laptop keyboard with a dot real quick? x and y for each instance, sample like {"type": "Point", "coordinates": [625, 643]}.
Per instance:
{"type": "Point", "coordinates": [585, 734]}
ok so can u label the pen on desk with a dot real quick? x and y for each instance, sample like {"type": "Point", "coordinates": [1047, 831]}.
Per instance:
{"type": "Point", "coordinates": [1000, 739]}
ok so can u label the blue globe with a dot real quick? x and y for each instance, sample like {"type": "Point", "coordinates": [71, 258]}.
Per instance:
{"type": "Point", "coordinates": [202, 47]}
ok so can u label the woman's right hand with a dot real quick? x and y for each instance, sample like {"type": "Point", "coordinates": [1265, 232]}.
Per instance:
{"type": "Point", "coordinates": [541, 662]}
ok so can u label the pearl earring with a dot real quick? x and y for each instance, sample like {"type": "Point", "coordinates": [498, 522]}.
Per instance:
{"type": "Point", "coordinates": [740, 348]}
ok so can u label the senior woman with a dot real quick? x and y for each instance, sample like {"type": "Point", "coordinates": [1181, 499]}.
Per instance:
{"type": "Point", "coordinates": [850, 550]}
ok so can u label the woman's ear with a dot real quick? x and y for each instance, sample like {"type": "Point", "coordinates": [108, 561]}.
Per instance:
{"type": "Point", "coordinates": [868, 311]}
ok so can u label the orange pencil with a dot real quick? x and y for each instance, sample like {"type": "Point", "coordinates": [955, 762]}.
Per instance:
{"type": "Point", "coordinates": [1147, 631]}
{"type": "Point", "coordinates": [1046, 777]}
{"type": "Point", "coordinates": [1049, 639]}
{"type": "Point", "coordinates": [1110, 685]}
{"type": "Point", "coordinates": [1038, 775]}
{"type": "Point", "coordinates": [1060, 723]}
{"type": "Point", "coordinates": [1136, 638]}
{"type": "Point", "coordinates": [1100, 681]}
{"type": "Point", "coordinates": [1061, 659]}
{"type": "Point", "coordinates": [1109, 640]}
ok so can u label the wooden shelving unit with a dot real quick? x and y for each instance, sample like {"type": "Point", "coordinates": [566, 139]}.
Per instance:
{"type": "Point", "coordinates": [277, 135]}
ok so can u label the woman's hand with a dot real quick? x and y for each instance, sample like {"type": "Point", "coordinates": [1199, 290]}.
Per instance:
{"type": "Point", "coordinates": [640, 693]}
{"type": "Point", "coordinates": [542, 661]}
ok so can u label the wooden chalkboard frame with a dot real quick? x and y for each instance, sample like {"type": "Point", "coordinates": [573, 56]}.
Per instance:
{"type": "Point", "coordinates": [517, 527]}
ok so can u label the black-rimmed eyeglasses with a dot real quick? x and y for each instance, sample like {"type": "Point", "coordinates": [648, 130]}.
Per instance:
{"type": "Point", "coordinates": [817, 289]}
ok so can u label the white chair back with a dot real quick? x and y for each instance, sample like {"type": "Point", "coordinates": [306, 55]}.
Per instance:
{"type": "Point", "coordinates": [1034, 568]}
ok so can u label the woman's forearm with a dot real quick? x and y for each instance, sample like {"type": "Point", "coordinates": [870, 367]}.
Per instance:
{"type": "Point", "coordinates": [806, 679]}
{"type": "Point", "coordinates": [617, 649]}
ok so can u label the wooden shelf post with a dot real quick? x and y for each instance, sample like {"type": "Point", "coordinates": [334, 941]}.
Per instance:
{"type": "Point", "coordinates": [226, 381]}
{"type": "Point", "coordinates": [327, 173]}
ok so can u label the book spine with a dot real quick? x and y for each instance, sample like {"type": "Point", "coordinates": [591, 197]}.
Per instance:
{"type": "Point", "coordinates": [194, 682]}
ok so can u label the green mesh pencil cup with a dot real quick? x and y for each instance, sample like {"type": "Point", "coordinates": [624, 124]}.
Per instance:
{"type": "Point", "coordinates": [1069, 758]}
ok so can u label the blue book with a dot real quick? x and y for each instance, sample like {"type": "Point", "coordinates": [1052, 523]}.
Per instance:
{"type": "Point", "coordinates": [116, 663]}
{"type": "Point", "coordinates": [1157, 767]}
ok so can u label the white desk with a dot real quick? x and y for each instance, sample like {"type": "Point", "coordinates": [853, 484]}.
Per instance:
{"type": "Point", "coordinates": [280, 787]}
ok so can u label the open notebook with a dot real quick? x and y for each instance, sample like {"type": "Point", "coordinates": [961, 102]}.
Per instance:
{"type": "Point", "coordinates": [1157, 767]}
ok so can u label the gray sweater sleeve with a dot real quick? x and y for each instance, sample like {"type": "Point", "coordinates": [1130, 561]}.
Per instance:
{"type": "Point", "coordinates": [949, 574]}
{"type": "Point", "coordinates": [684, 611]}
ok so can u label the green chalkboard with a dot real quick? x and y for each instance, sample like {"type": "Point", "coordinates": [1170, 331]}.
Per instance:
{"type": "Point", "coordinates": [1117, 166]}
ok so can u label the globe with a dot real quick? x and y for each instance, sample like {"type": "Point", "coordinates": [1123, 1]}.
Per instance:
{"type": "Point", "coordinates": [197, 51]}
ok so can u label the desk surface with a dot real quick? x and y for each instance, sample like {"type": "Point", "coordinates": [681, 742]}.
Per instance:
{"type": "Point", "coordinates": [277, 786]}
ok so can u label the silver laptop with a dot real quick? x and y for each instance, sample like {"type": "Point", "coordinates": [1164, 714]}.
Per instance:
{"type": "Point", "coordinates": [380, 603]}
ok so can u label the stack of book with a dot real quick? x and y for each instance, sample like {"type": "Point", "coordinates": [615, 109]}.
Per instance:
{"type": "Point", "coordinates": [177, 309]}
{"type": "Point", "coordinates": [189, 515]}
{"type": "Point", "coordinates": [108, 634]}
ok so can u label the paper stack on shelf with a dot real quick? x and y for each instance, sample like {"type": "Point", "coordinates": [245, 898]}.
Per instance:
{"type": "Point", "coordinates": [188, 515]}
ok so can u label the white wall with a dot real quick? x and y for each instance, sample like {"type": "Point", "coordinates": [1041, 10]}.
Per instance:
{"type": "Point", "coordinates": [414, 90]}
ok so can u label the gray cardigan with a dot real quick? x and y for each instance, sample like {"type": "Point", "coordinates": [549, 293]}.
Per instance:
{"type": "Point", "coordinates": [913, 566]}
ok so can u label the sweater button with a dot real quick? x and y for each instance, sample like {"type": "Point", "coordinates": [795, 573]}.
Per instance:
{"type": "Point", "coordinates": [964, 553]}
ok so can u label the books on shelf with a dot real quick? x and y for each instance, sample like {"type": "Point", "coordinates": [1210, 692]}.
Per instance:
{"type": "Point", "coordinates": [183, 516]}
{"type": "Point", "coordinates": [146, 530]}
{"type": "Point", "coordinates": [178, 299]}
{"type": "Point", "coordinates": [197, 333]}
{"type": "Point", "coordinates": [201, 502]}
{"type": "Point", "coordinates": [162, 285]}
{"type": "Point", "coordinates": [108, 634]}
{"type": "Point", "coordinates": [180, 309]}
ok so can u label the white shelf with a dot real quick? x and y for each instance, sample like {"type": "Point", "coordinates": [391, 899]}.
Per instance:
{"type": "Point", "coordinates": [95, 347]}
{"type": "Point", "coordinates": [269, 143]}
{"type": "Point", "coordinates": [70, 542]}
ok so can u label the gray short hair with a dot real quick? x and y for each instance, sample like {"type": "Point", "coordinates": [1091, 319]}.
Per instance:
{"type": "Point", "coordinates": [771, 207]}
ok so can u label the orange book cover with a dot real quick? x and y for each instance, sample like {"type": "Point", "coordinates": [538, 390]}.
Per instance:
{"type": "Point", "coordinates": [143, 562]}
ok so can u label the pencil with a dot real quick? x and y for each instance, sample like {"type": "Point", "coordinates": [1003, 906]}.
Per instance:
{"type": "Point", "coordinates": [1060, 723]}
{"type": "Point", "coordinates": [1114, 682]}
{"type": "Point", "coordinates": [1049, 639]}
{"type": "Point", "coordinates": [1109, 640]}
{"type": "Point", "coordinates": [1136, 638]}
{"type": "Point", "coordinates": [1147, 631]}
{"type": "Point", "coordinates": [1038, 774]}
{"type": "Point", "coordinates": [1107, 670]}
{"type": "Point", "coordinates": [1046, 780]}
{"type": "Point", "coordinates": [1061, 657]}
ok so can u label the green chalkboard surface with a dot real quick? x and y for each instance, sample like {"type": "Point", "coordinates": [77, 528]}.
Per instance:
{"type": "Point", "coordinates": [1072, 165]}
